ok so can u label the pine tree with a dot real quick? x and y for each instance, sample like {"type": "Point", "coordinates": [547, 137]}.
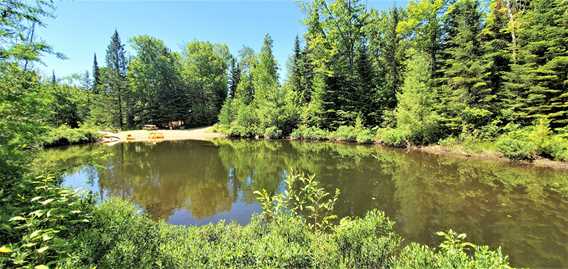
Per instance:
{"type": "Point", "coordinates": [496, 43]}
{"type": "Point", "coordinates": [96, 75]}
{"type": "Point", "coordinates": [265, 81]}
{"type": "Point", "coordinates": [537, 81]}
{"type": "Point", "coordinates": [53, 78]}
{"type": "Point", "coordinates": [365, 92]}
{"type": "Point", "coordinates": [234, 77]}
{"type": "Point", "coordinates": [296, 70]}
{"type": "Point", "coordinates": [467, 97]}
{"type": "Point", "coordinates": [116, 77]}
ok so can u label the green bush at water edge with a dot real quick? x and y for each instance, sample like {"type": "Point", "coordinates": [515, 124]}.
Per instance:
{"type": "Point", "coordinates": [122, 238]}
{"type": "Point", "coordinates": [64, 135]}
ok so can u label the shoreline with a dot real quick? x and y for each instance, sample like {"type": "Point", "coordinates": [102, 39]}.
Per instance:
{"type": "Point", "coordinates": [207, 134]}
{"type": "Point", "coordinates": [488, 156]}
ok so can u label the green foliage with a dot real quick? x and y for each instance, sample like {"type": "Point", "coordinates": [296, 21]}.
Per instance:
{"type": "Point", "coordinates": [415, 112]}
{"type": "Point", "coordinates": [453, 252]}
{"type": "Point", "coordinates": [529, 142]}
{"type": "Point", "coordinates": [37, 219]}
{"type": "Point", "coordinates": [304, 197]}
{"type": "Point", "coordinates": [121, 237]}
{"type": "Point", "coordinates": [393, 137]}
{"type": "Point", "coordinates": [309, 133]}
{"type": "Point", "coordinates": [368, 242]}
{"type": "Point", "coordinates": [63, 135]}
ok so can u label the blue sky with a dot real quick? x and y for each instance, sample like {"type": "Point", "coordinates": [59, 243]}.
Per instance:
{"type": "Point", "coordinates": [82, 28]}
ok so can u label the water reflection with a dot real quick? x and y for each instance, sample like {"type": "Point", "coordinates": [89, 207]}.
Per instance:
{"type": "Point", "coordinates": [523, 210]}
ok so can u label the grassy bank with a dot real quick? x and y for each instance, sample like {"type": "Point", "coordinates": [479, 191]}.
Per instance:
{"type": "Point", "coordinates": [526, 144]}
{"type": "Point", "coordinates": [64, 135]}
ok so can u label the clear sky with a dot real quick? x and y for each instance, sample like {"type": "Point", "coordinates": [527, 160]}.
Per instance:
{"type": "Point", "coordinates": [81, 28]}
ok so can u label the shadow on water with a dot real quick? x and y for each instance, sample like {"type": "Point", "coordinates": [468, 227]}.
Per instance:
{"type": "Point", "coordinates": [524, 210]}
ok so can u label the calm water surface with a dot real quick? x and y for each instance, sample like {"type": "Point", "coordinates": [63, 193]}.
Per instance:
{"type": "Point", "coordinates": [523, 210]}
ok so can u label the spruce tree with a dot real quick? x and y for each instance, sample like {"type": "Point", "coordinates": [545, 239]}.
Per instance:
{"type": "Point", "coordinates": [467, 98]}
{"type": "Point", "coordinates": [96, 75]}
{"type": "Point", "coordinates": [116, 77]}
{"type": "Point", "coordinates": [496, 43]}
{"type": "Point", "coordinates": [234, 77]}
{"type": "Point", "coordinates": [538, 77]}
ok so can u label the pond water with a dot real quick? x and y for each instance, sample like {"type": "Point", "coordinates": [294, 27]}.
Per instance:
{"type": "Point", "coordinates": [523, 210]}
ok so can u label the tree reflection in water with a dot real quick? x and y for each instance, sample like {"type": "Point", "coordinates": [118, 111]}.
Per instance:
{"type": "Point", "coordinates": [524, 210]}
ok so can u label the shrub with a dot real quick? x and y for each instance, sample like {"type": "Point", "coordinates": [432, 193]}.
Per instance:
{"type": "Point", "coordinates": [393, 137]}
{"type": "Point", "coordinates": [37, 219]}
{"type": "Point", "coordinates": [272, 133]}
{"type": "Point", "coordinates": [368, 242]}
{"type": "Point", "coordinates": [365, 136]}
{"type": "Point", "coordinates": [453, 252]}
{"type": "Point", "coordinates": [63, 135]}
{"type": "Point", "coordinates": [557, 148]}
{"type": "Point", "coordinates": [309, 133]}
{"type": "Point", "coordinates": [516, 146]}
{"type": "Point", "coordinates": [344, 133]}
{"type": "Point", "coordinates": [532, 141]}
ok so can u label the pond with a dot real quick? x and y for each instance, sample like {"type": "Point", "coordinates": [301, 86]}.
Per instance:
{"type": "Point", "coordinates": [522, 209]}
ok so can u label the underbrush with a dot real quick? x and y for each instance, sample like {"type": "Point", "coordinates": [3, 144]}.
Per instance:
{"type": "Point", "coordinates": [533, 141]}
{"type": "Point", "coordinates": [122, 238]}
{"type": "Point", "coordinates": [37, 219]}
{"type": "Point", "coordinates": [64, 135]}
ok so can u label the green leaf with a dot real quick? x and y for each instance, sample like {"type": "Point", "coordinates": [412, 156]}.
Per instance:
{"type": "Point", "coordinates": [42, 250]}
{"type": "Point", "coordinates": [47, 201]}
{"type": "Point", "coordinates": [16, 218]}
{"type": "Point", "coordinates": [5, 249]}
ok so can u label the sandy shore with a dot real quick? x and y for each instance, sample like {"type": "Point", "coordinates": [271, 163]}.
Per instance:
{"type": "Point", "coordinates": [205, 134]}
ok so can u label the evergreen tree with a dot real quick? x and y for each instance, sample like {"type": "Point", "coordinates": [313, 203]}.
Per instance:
{"type": "Point", "coordinates": [496, 43]}
{"type": "Point", "coordinates": [365, 92]}
{"type": "Point", "coordinates": [467, 99]}
{"type": "Point", "coordinates": [53, 78]}
{"type": "Point", "coordinates": [234, 77]}
{"type": "Point", "coordinates": [116, 78]}
{"type": "Point", "coordinates": [537, 81]}
{"type": "Point", "coordinates": [415, 113]}
{"type": "Point", "coordinates": [265, 81]}
{"type": "Point", "coordinates": [296, 69]}
{"type": "Point", "coordinates": [96, 75]}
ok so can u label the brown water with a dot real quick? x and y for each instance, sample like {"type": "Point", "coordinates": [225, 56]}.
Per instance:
{"type": "Point", "coordinates": [523, 210]}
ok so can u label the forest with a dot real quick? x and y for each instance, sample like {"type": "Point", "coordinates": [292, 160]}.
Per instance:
{"type": "Point", "coordinates": [448, 72]}
{"type": "Point", "coordinates": [486, 75]}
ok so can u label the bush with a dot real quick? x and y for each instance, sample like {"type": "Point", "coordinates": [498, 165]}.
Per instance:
{"type": "Point", "coordinates": [272, 133]}
{"type": "Point", "coordinates": [365, 136]}
{"type": "Point", "coordinates": [369, 242]}
{"type": "Point", "coordinates": [309, 133]}
{"type": "Point", "coordinates": [63, 135]}
{"type": "Point", "coordinates": [516, 146]}
{"type": "Point", "coordinates": [122, 238]}
{"type": "Point", "coordinates": [532, 141]}
{"type": "Point", "coordinates": [393, 137]}
{"type": "Point", "coordinates": [453, 252]}
{"type": "Point", "coordinates": [344, 133]}
{"type": "Point", "coordinates": [36, 220]}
